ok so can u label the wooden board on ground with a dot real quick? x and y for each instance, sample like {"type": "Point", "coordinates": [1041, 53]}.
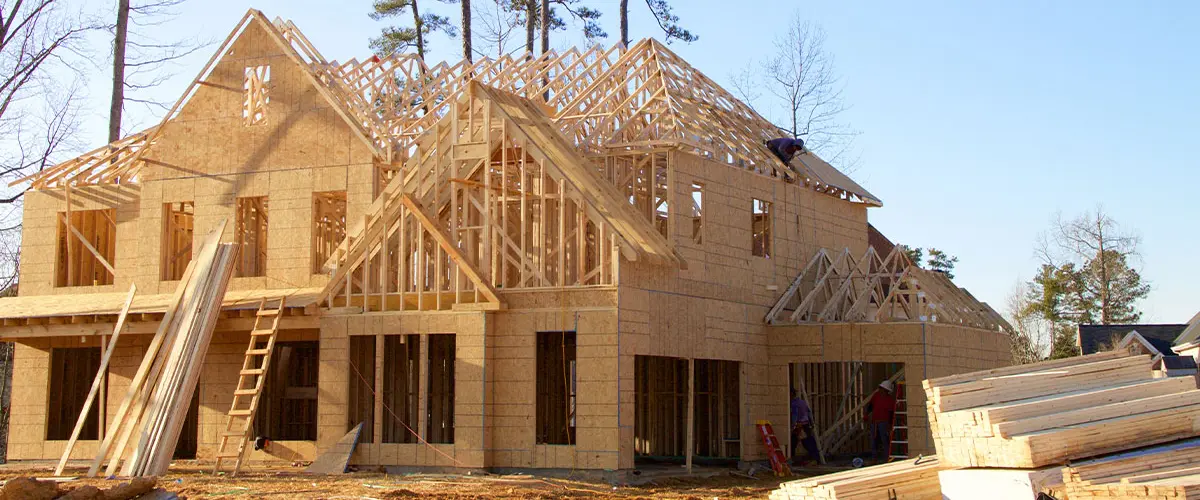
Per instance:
{"type": "Point", "coordinates": [913, 479]}
{"type": "Point", "coordinates": [1000, 484]}
{"type": "Point", "coordinates": [336, 459]}
{"type": "Point", "coordinates": [1046, 413]}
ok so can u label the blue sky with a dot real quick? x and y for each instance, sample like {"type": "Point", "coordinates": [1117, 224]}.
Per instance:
{"type": "Point", "coordinates": [979, 121]}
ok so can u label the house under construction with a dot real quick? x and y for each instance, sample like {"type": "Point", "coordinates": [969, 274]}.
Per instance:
{"type": "Point", "coordinates": [572, 260]}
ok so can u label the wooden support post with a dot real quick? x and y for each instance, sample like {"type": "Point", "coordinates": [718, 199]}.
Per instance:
{"type": "Point", "coordinates": [691, 413]}
{"type": "Point", "coordinates": [423, 389]}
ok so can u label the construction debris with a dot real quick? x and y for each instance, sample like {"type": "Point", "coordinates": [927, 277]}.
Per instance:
{"type": "Point", "coordinates": [1045, 413]}
{"type": "Point", "coordinates": [162, 388]}
{"type": "Point", "coordinates": [908, 479]}
{"type": "Point", "coordinates": [27, 488]}
{"type": "Point", "coordinates": [336, 460]}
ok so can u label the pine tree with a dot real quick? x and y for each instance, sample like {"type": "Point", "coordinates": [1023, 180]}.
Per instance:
{"type": "Point", "coordinates": [1063, 344]}
{"type": "Point", "coordinates": [942, 262]}
{"type": "Point", "coordinates": [395, 39]}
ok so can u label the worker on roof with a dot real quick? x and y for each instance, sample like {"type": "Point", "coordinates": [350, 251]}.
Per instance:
{"type": "Point", "coordinates": [880, 412]}
{"type": "Point", "coordinates": [802, 431]}
{"type": "Point", "coordinates": [785, 148]}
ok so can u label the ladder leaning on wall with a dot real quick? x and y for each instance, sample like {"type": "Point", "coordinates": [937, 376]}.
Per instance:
{"type": "Point", "coordinates": [250, 386]}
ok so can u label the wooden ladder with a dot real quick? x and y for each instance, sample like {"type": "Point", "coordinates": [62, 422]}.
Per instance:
{"type": "Point", "coordinates": [250, 385]}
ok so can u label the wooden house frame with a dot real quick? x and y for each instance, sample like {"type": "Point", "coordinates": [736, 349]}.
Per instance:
{"type": "Point", "coordinates": [435, 228]}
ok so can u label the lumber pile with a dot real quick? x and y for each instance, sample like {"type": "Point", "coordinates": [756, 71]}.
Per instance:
{"type": "Point", "coordinates": [153, 409]}
{"type": "Point", "coordinates": [913, 479]}
{"type": "Point", "coordinates": [1046, 413]}
{"type": "Point", "coordinates": [1160, 472]}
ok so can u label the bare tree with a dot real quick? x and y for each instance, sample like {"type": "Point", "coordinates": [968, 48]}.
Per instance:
{"type": "Point", "coordinates": [802, 77]}
{"type": "Point", "coordinates": [804, 91]}
{"type": "Point", "coordinates": [1030, 336]}
{"type": "Point", "coordinates": [498, 21]}
{"type": "Point", "coordinates": [141, 62]}
{"type": "Point", "coordinates": [41, 44]}
{"type": "Point", "coordinates": [1088, 272]}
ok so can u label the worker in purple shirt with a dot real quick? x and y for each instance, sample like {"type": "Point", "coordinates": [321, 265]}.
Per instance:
{"type": "Point", "coordinates": [802, 429]}
{"type": "Point", "coordinates": [785, 148]}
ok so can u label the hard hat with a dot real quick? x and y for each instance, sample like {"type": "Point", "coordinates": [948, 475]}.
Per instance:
{"type": "Point", "coordinates": [887, 385]}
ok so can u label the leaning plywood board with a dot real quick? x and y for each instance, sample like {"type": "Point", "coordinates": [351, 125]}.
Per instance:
{"type": "Point", "coordinates": [336, 459]}
{"type": "Point", "coordinates": [914, 479]}
{"type": "Point", "coordinates": [1000, 484]}
{"type": "Point", "coordinates": [1164, 471]}
{"type": "Point", "coordinates": [1046, 413]}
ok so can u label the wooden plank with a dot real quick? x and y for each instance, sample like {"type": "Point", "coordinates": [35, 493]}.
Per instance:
{"type": "Point", "coordinates": [145, 367]}
{"type": "Point", "coordinates": [96, 383]}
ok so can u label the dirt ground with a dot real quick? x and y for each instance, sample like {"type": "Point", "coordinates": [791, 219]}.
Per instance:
{"type": "Point", "coordinates": [195, 483]}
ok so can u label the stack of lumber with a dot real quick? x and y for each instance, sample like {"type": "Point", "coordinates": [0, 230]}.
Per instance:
{"type": "Point", "coordinates": [1046, 413]}
{"type": "Point", "coordinates": [1160, 472]}
{"type": "Point", "coordinates": [154, 407]}
{"type": "Point", "coordinates": [912, 479]}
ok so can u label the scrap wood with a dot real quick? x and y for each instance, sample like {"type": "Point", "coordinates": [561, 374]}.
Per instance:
{"type": "Point", "coordinates": [336, 459]}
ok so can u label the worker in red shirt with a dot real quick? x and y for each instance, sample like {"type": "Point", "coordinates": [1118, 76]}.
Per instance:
{"type": "Point", "coordinates": [880, 412]}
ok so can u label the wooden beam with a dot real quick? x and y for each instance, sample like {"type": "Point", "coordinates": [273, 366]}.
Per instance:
{"type": "Point", "coordinates": [96, 383]}
{"type": "Point", "coordinates": [463, 264]}
{"type": "Point", "coordinates": [691, 414]}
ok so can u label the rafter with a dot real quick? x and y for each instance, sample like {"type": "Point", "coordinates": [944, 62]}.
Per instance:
{"type": "Point", "coordinates": [604, 101]}
{"type": "Point", "coordinates": [874, 289]}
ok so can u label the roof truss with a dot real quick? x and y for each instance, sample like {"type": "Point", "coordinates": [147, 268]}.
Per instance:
{"type": "Point", "coordinates": [510, 205]}
{"type": "Point", "coordinates": [602, 100]}
{"type": "Point", "coordinates": [839, 287]}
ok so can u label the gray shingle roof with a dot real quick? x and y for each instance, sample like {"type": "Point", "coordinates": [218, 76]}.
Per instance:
{"type": "Point", "coordinates": [1093, 338]}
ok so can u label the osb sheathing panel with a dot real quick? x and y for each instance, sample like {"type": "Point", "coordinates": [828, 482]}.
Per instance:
{"type": "Point", "coordinates": [714, 309]}
{"type": "Point", "coordinates": [723, 265]}
{"type": "Point", "coordinates": [209, 156]}
{"type": "Point", "coordinates": [496, 355]}
{"type": "Point", "coordinates": [39, 244]}
{"type": "Point", "coordinates": [469, 329]}
{"type": "Point", "coordinates": [926, 349]}
{"type": "Point", "coordinates": [217, 382]}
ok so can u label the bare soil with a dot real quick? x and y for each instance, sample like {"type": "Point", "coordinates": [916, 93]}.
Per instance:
{"type": "Point", "coordinates": [196, 483]}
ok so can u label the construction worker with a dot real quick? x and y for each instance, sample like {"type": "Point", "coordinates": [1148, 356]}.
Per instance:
{"type": "Point", "coordinates": [785, 148]}
{"type": "Point", "coordinates": [802, 430]}
{"type": "Point", "coordinates": [880, 412]}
